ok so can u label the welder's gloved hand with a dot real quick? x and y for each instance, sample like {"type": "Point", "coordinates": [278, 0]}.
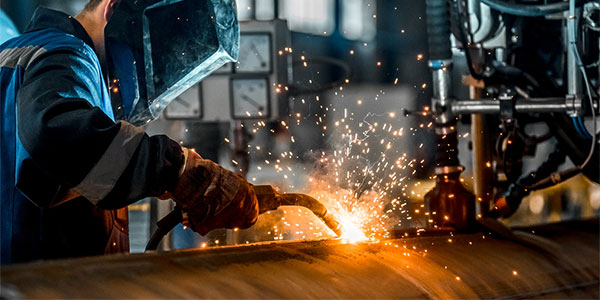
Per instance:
{"type": "Point", "coordinates": [212, 196]}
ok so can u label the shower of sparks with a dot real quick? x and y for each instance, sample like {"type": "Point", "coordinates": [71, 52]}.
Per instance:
{"type": "Point", "coordinates": [363, 176]}
{"type": "Point", "coordinates": [363, 179]}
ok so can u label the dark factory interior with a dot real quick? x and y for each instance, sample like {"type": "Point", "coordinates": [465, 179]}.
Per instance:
{"type": "Point", "coordinates": [329, 149]}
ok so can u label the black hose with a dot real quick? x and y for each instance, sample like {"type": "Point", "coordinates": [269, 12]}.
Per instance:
{"type": "Point", "coordinates": [163, 227]}
{"type": "Point", "coordinates": [438, 30]}
{"type": "Point", "coordinates": [528, 10]}
{"type": "Point", "coordinates": [575, 146]}
{"type": "Point", "coordinates": [541, 178]}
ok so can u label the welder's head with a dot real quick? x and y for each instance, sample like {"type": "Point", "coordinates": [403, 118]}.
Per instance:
{"type": "Point", "coordinates": [92, 4]}
{"type": "Point", "coordinates": [157, 49]}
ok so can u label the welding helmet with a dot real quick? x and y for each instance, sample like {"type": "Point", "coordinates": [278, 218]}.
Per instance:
{"type": "Point", "coordinates": [157, 49]}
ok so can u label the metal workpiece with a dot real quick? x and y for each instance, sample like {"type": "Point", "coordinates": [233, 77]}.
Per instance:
{"type": "Point", "coordinates": [565, 263]}
{"type": "Point", "coordinates": [532, 105]}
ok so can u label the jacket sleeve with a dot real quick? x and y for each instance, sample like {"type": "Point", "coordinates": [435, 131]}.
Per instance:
{"type": "Point", "coordinates": [112, 164]}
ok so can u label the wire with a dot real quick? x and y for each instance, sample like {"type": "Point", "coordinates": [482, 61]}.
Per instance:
{"type": "Point", "coordinates": [575, 121]}
{"type": "Point", "coordinates": [589, 90]}
{"type": "Point", "coordinates": [580, 128]}
{"type": "Point", "coordinates": [583, 128]}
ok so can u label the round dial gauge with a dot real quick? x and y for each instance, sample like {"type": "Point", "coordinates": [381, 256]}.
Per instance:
{"type": "Point", "coordinates": [250, 98]}
{"type": "Point", "coordinates": [255, 55]}
{"type": "Point", "coordinates": [187, 106]}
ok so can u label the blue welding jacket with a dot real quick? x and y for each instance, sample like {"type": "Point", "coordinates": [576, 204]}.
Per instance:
{"type": "Point", "coordinates": [61, 141]}
{"type": "Point", "coordinates": [8, 29]}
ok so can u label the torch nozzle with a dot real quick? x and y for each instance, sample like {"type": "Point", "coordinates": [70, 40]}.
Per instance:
{"type": "Point", "coordinates": [271, 199]}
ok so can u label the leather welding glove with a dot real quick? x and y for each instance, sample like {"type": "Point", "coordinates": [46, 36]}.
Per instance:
{"type": "Point", "coordinates": [212, 196]}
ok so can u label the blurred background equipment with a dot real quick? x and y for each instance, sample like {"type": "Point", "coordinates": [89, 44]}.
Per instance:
{"type": "Point", "coordinates": [7, 27]}
{"type": "Point", "coordinates": [517, 76]}
{"type": "Point", "coordinates": [450, 133]}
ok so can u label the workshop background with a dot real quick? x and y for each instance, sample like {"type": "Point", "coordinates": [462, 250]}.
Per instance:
{"type": "Point", "coordinates": [384, 45]}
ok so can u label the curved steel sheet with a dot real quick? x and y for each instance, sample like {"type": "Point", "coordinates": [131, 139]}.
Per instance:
{"type": "Point", "coordinates": [566, 264]}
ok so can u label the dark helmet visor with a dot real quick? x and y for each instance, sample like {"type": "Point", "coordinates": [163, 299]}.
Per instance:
{"type": "Point", "coordinates": [158, 49]}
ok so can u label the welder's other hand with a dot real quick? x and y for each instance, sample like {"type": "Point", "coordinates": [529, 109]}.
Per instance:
{"type": "Point", "coordinates": [214, 197]}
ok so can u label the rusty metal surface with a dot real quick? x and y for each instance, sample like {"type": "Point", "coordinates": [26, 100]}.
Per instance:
{"type": "Point", "coordinates": [461, 266]}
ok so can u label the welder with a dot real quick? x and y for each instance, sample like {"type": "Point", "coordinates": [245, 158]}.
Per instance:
{"type": "Point", "coordinates": [73, 91]}
{"type": "Point", "coordinates": [7, 27]}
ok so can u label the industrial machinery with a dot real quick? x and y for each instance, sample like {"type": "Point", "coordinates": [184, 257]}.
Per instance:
{"type": "Point", "coordinates": [526, 62]}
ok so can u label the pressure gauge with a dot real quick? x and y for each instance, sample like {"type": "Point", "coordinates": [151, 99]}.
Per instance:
{"type": "Point", "coordinates": [186, 106]}
{"type": "Point", "coordinates": [250, 98]}
{"type": "Point", "coordinates": [255, 53]}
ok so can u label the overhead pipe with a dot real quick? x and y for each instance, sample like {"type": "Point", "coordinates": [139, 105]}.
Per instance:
{"type": "Point", "coordinates": [532, 105]}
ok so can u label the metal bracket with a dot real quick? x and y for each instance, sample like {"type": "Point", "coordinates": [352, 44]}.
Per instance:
{"type": "Point", "coordinates": [574, 105]}
{"type": "Point", "coordinates": [507, 106]}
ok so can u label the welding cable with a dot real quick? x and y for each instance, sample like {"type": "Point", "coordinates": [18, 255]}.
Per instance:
{"type": "Point", "coordinates": [575, 122]}
{"type": "Point", "coordinates": [580, 128]}
{"type": "Point", "coordinates": [438, 30]}
{"type": "Point", "coordinates": [529, 10]}
{"type": "Point", "coordinates": [510, 202]}
{"type": "Point", "coordinates": [163, 227]}
{"type": "Point", "coordinates": [577, 125]}
{"type": "Point", "coordinates": [583, 128]}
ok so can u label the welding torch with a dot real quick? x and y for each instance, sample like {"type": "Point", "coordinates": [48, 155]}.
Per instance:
{"type": "Point", "coordinates": [268, 199]}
